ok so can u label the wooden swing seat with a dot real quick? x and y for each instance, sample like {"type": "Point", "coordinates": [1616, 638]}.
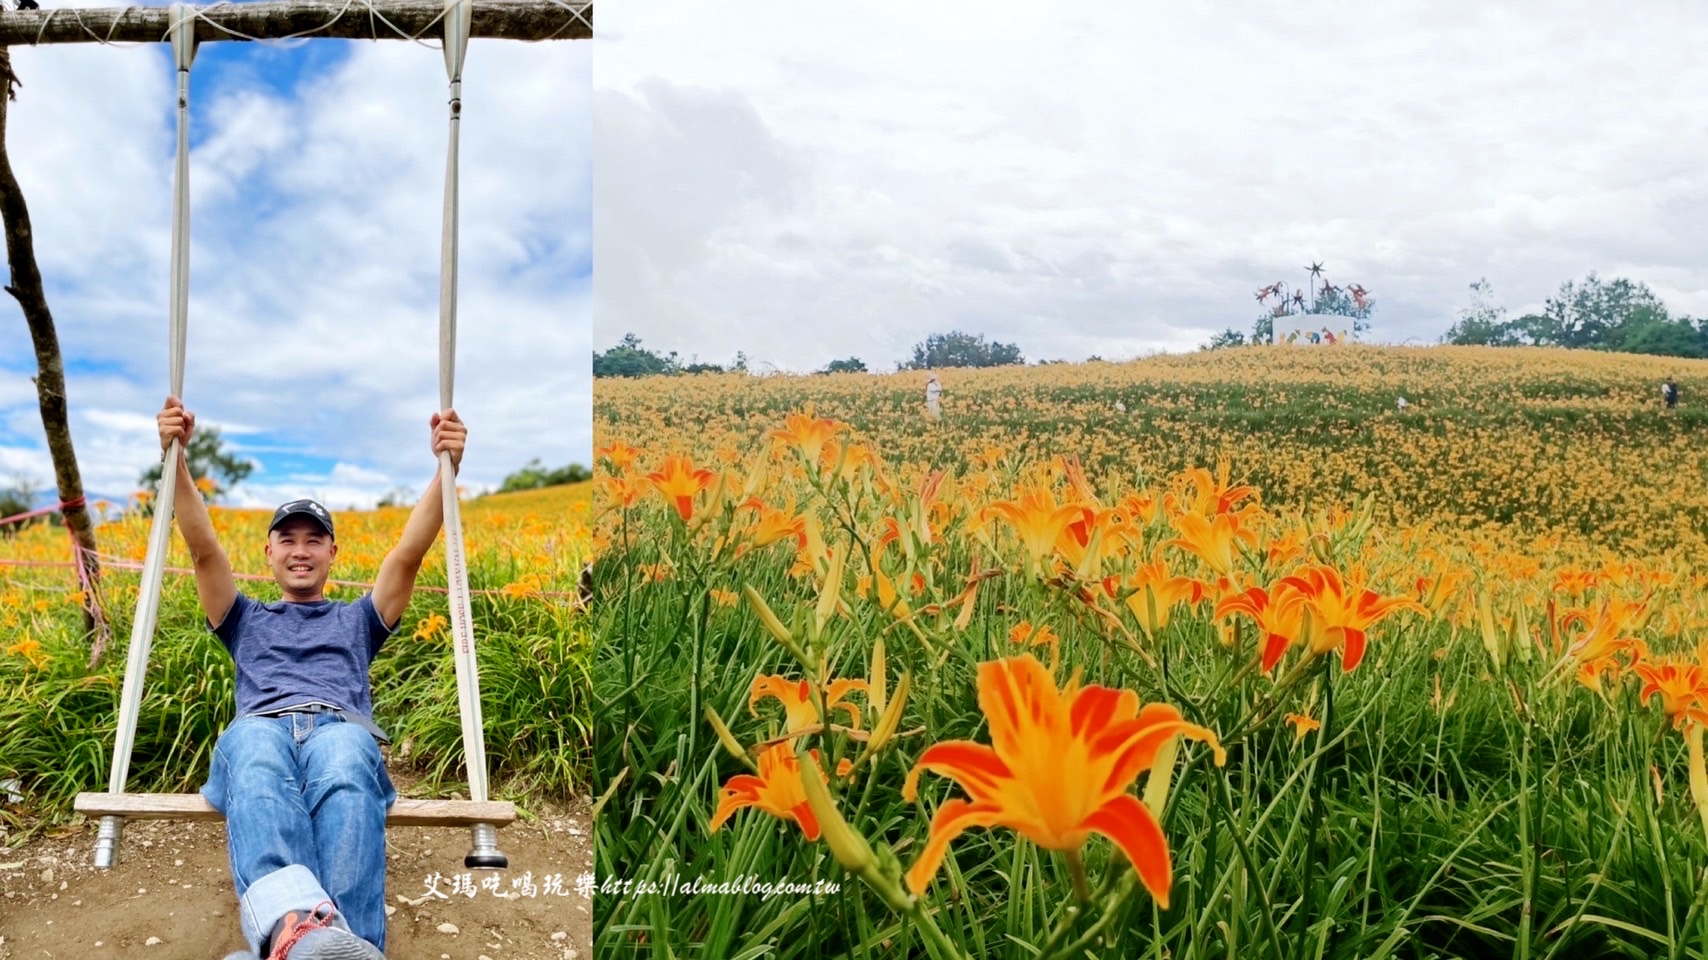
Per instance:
{"type": "Point", "coordinates": [193, 806]}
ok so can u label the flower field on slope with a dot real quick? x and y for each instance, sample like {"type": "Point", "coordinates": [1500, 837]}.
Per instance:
{"type": "Point", "coordinates": [58, 717]}
{"type": "Point", "coordinates": [1049, 678]}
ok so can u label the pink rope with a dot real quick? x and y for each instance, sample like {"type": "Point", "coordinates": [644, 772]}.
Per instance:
{"type": "Point", "coordinates": [71, 504]}
{"type": "Point", "coordinates": [31, 515]}
{"type": "Point", "coordinates": [114, 562]}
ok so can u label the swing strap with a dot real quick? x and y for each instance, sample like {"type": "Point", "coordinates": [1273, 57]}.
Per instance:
{"type": "Point", "coordinates": [183, 31]}
{"type": "Point", "coordinates": [458, 14]}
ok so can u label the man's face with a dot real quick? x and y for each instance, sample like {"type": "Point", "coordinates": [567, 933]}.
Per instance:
{"type": "Point", "coordinates": [300, 553]}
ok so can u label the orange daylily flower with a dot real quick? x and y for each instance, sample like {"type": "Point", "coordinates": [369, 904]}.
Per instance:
{"type": "Point", "coordinates": [1609, 629]}
{"type": "Point", "coordinates": [1279, 613]}
{"type": "Point", "coordinates": [799, 712]}
{"type": "Point", "coordinates": [1140, 508]}
{"type": "Point", "coordinates": [1038, 520]}
{"type": "Point", "coordinates": [1214, 495]}
{"type": "Point", "coordinates": [889, 598]}
{"type": "Point", "coordinates": [1284, 549]}
{"type": "Point", "coordinates": [1025, 633]}
{"type": "Point", "coordinates": [430, 627]}
{"type": "Point", "coordinates": [1212, 540]}
{"type": "Point", "coordinates": [808, 434]}
{"type": "Point", "coordinates": [526, 587]}
{"type": "Point", "coordinates": [1158, 593]}
{"type": "Point", "coordinates": [678, 481]}
{"type": "Point", "coordinates": [1302, 725]}
{"type": "Point", "coordinates": [1436, 593]}
{"type": "Point", "coordinates": [777, 524]}
{"type": "Point", "coordinates": [1680, 686]}
{"type": "Point", "coordinates": [623, 491]}
{"type": "Point", "coordinates": [1343, 611]}
{"type": "Point", "coordinates": [1576, 582]}
{"type": "Point", "coordinates": [1591, 672]}
{"type": "Point", "coordinates": [619, 453]}
{"type": "Point", "coordinates": [777, 790]}
{"type": "Point", "coordinates": [1057, 770]}
{"type": "Point", "coordinates": [856, 456]}
{"type": "Point", "coordinates": [30, 649]}
{"type": "Point", "coordinates": [1075, 543]}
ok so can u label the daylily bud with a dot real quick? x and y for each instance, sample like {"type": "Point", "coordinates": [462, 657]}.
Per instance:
{"type": "Point", "coordinates": [1698, 771]}
{"type": "Point", "coordinates": [876, 682]}
{"type": "Point", "coordinates": [773, 625]}
{"type": "Point", "coordinates": [1320, 549]}
{"type": "Point", "coordinates": [1089, 563]}
{"type": "Point", "coordinates": [890, 719]}
{"type": "Point", "coordinates": [1521, 641]}
{"type": "Point", "coordinates": [832, 592]}
{"type": "Point", "coordinates": [841, 460]}
{"type": "Point", "coordinates": [849, 848]}
{"type": "Point", "coordinates": [755, 479]}
{"type": "Point", "coordinates": [726, 738]}
{"type": "Point", "coordinates": [1494, 639]}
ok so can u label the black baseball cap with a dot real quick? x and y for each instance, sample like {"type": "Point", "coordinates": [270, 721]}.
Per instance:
{"type": "Point", "coordinates": [303, 508]}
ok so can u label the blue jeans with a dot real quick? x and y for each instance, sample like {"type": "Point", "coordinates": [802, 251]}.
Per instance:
{"type": "Point", "coordinates": [311, 790]}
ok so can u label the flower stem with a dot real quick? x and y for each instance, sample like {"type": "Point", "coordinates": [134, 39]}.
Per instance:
{"type": "Point", "coordinates": [1076, 868]}
{"type": "Point", "coordinates": [928, 926]}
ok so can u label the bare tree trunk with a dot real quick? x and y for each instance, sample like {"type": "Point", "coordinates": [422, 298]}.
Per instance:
{"type": "Point", "coordinates": [26, 288]}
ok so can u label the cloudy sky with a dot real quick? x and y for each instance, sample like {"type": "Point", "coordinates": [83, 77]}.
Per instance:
{"type": "Point", "coordinates": [317, 179]}
{"type": "Point", "coordinates": [810, 181]}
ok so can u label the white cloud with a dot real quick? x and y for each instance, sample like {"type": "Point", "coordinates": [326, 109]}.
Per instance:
{"type": "Point", "coordinates": [313, 323]}
{"type": "Point", "coordinates": [808, 182]}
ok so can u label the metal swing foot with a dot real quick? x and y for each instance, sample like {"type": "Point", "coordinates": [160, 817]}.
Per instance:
{"type": "Point", "coordinates": [107, 842]}
{"type": "Point", "coordinates": [484, 854]}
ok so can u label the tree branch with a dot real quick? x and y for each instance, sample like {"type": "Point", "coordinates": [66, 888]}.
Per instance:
{"type": "Point", "coordinates": [279, 19]}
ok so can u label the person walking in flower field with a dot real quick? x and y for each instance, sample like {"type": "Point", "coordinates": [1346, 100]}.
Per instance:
{"type": "Point", "coordinates": [933, 398]}
{"type": "Point", "coordinates": [298, 775]}
{"type": "Point", "coordinates": [1669, 392]}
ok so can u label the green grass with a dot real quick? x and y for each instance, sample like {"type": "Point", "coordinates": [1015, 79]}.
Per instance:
{"type": "Point", "coordinates": [58, 724]}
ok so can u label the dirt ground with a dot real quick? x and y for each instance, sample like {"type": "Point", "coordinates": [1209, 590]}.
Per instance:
{"type": "Point", "coordinates": [171, 897]}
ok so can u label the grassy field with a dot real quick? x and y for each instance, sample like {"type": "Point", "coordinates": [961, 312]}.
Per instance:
{"type": "Point", "coordinates": [1041, 679]}
{"type": "Point", "coordinates": [58, 717]}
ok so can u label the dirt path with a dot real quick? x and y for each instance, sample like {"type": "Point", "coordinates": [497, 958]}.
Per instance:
{"type": "Point", "coordinates": [171, 897]}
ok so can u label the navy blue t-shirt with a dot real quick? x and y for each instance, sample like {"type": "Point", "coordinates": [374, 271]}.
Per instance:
{"type": "Point", "coordinates": [292, 654]}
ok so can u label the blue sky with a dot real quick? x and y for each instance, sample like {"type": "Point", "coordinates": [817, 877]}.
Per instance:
{"type": "Point", "coordinates": [317, 175]}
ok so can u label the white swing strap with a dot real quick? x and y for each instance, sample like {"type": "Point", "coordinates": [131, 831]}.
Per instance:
{"type": "Point", "coordinates": [458, 14]}
{"type": "Point", "coordinates": [183, 31]}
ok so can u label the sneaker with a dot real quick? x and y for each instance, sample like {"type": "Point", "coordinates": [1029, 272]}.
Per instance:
{"type": "Point", "coordinates": [319, 936]}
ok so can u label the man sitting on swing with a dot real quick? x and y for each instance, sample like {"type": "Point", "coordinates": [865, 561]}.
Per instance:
{"type": "Point", "coordinates": [298, 775]}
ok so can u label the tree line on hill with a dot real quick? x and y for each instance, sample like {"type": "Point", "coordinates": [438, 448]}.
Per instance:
{"type": "Point", "coordinates": [1619, 315]}
{"type": "Point", "coordinates": [954, 349]}
{"type": "Point", "coordinates": [1616, 315]}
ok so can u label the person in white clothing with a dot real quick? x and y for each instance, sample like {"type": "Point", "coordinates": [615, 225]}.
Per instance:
{"type": "Point", "coordinates": [933, 398]}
